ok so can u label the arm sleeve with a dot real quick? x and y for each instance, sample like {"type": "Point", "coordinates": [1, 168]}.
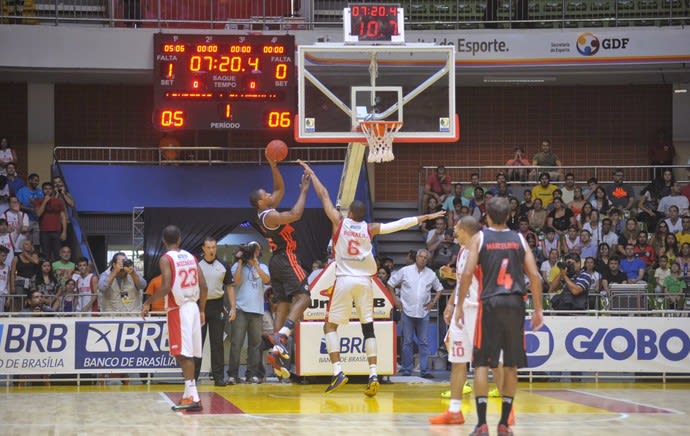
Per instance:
{"type": "Point", "coordinates": [396, 226]}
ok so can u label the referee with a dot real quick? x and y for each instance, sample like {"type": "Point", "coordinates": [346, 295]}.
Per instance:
{"type": "Point", "coordinates": [220, 290]}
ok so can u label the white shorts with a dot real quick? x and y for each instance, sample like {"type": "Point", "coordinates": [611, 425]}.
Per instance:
{"type": "Point", "coordinates": [184, 330]}
{"type": "Point", "coordinates": [460, 340]}
{"type": "Point", "coordinates": [348, 289]}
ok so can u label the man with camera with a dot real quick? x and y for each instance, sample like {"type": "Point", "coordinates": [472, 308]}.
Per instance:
{"type": "Point", "coordinates": [120, 286]}
{"type": "Point", "coordinates": [250, 277]}
{"type": "Point", "coordinates": [220, 295]}
{"type": "Point", "coordinates": [572, 284]}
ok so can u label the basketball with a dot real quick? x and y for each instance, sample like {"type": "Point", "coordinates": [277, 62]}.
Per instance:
{"type": "Point", "coordinates": [276, 150]}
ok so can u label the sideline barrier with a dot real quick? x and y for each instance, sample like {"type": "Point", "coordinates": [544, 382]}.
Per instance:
{"type": "Point", "coordinates": [100, 345]}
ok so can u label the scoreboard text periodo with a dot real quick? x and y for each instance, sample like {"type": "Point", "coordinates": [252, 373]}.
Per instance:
{"type": "Point", "coordinates": [226, 82]}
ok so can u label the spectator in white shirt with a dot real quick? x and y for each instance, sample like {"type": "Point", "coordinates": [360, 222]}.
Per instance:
{"type": "Point", "coordinates": [675, 198]}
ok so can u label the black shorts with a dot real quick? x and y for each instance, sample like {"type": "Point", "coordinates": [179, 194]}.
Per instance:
{"type": "Point", "coordinates": [288, 278]}
{"type": "Point", "coordinates": [500, 327]}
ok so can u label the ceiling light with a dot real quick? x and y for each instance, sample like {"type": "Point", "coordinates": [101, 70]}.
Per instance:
{"type": "Point", "coordinates": [680, 91]}
{"type": "Point", "coordinates": [517, 79]}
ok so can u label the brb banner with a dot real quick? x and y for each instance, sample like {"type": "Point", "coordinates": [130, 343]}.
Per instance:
{"type": "Point", "coordinates": [609, 344]}
{"type": "Point", "coordinates": [84, 345]}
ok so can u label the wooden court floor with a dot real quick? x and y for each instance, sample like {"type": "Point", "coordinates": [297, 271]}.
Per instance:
{"type": "Point", "coordinates": [402, 407]}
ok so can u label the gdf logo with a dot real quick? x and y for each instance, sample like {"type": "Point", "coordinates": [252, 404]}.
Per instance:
{"type": "Point", "coordinates": [588, 44]}
{"type": "Point", "coordinates": [539, 345]}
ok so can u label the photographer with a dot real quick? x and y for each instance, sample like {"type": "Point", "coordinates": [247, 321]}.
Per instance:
{"type": "Point", "coordinates": [120, 286]}
{"type": "Point", "coordinates": [250, 277]}
{"type": "Point", "coordinates": [572, 284]}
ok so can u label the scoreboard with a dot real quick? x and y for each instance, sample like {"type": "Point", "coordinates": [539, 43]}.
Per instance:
{"type": "Point", "coordinates": [224, 82]}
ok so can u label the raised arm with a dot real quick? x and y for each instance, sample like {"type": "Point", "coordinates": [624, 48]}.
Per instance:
{"type": "Point", "coordinates": [332, 212]}
{"type": "Point", "coordinates": [278, 185]}
{"type": "Point", "coordinates": [275, 218]}
{"type": "Point", "coordinates": [403, 223]}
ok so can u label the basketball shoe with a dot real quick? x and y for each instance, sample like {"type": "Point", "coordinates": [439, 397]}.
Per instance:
{"type": "Point", "coordinates": [480, 430]}
{"type": "Point", "coordinates": [188, 404]}
{"type": "Point", "coordinates": [336, 382]}
{"type": "Point", "coordinates": [278, 357]}
{"type": "Point", "coordinates": [372, 386]}
{"type": "Point", "coordinates": [466, 389]}
{"type": "Point", "coordinates": [448, 418]}
{"type": "Point", "coordinates": [504, 430]}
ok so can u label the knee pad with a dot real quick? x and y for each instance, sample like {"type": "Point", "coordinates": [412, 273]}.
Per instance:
{"type": "Point", "coordinates": [368, 330]}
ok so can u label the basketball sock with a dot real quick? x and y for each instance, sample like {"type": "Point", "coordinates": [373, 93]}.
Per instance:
{"type": "Point", "coordinates": [506, 407]}
{"type": "Point", "coordinates": [372, 370]}
{"type": "Point", "coordinates": [337, 368]}
{"type": "Point", "coordinates": [287, 328]}
{"type": "Point", "coordinates": [481, 410]}
{"type": "Point", "coordinates": [455, 406]}
{"type": "Point", "coordinates": [185, 394]}
{"type": "Point", "coordinates": [191, 384]}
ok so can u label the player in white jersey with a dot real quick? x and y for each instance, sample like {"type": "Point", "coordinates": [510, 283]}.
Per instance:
{"type": "Point", "coordinates": [355, 268]}
{"type": "Point", "coordinates": [184, 285]}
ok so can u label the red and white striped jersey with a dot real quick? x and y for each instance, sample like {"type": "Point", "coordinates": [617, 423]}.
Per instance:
{"type": "Point", "coordinates": [185, 278]}
{"type": "Point", "coordinates": [352, 245]}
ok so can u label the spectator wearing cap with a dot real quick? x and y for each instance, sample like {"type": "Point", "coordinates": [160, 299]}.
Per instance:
{"type": "Point", "coordinates": [620, 194]}
{"type": "Point", "coordinates": [547, 161]}
{"type": "Point", "coordinates": [544, 190]}
{"type": "Point", "coordinates": [446, 252]}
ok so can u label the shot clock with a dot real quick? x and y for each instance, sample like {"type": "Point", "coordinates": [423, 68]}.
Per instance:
{"type": "Point", "coordinates": [374, 24]}
{"type": "Point", "coordinates": [224, 82]}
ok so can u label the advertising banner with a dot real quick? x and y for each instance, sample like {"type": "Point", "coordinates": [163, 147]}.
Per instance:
{"type": "Point", "coordinates": [312, 356]}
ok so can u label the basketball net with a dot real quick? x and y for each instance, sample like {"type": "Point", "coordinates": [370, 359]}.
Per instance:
{"type": "Point", "coordinates": [380, 136]}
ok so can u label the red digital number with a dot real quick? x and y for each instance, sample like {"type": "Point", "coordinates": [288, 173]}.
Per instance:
{"type": "Point", "coordinates": [171, 118]}
{"type": "Point", "coordinates": [188, 276]}
{"type": "Point", "coordinates": [279, 119]}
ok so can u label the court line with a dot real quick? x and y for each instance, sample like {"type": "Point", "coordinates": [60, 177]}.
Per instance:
{"type": "Point", "coordinates": [677, 412]}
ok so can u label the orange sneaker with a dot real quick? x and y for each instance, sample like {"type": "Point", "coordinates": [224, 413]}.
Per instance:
{"type": "Point", "coordinates": [511, 417]}
{"type": "Point", "coordinates": [188, 404]}
{"type": "Point", "coordinates": [448, 418]}
{"type": "Point", "coordinates": [504, 430]}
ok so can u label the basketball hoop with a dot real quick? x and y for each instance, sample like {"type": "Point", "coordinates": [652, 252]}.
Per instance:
{"type": "Point", "coordinates": [380, 136]}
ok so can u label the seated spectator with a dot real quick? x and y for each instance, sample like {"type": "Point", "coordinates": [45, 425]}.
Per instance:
{"type": "Point", "coordinates": [449, 201]}
{"type": "Point", "coordinates": [644, 250]}
{"type": "Point", "coordinates": [571, 243]}
{"type": "Point", "coordinates": [619, 193]}
{"type": "Point", "coordinates": [523, 228]}
{"type": "Point", "coordinates": [600, 201]}
{"type": "Point", "coordinates": [675, 198]}
{"type": "Point", "coordinates": [549, 268]}
{"type": "Point", "coordinates": [536, 249]}
{"type": "Point", "coordinates": [316, 268]}
{"type": "Point", "coordinates": [658, 240]}
{"type": "Point", "coordinates": [67, 300]}
{"type": "Point", "coordinates": [47, 283]}
{"type": "Point", "coordinates": [527, 202]}
{"type": "Point", "coordinates": [594, 227]}
{"type": "Point", "coordinates": [572, 286]}
{"type": "Point", "coordinates": [647, 207]}
{"type": "Point", "coordinates": [514, 217]}
{"type": "Point", "coordinates": [7, 155]}
{"type": "Point", "coordinates": [456, 213]}
{"type": "Point", "coordinates": [383, 274]}
{"type": "Point", "coordinates": [13, 180]}
{"type": "Point", "coordinates": [35, 303]}
{"type": "Point", "coordinates": [560, 218]}
{"type": "Point", "coordinates": [436, 236]}
{"type": "Point", "coordinates": [674, 287]}
{"type": "Point", "coordinates": [24, 268]}
{"type": "Point", "coordinates": [584, 216]}
{"type": "Point", "coordinates": [673, 221]}
{"type": "Point", "coordinates": [662, 185]}
{"type": "Point", "coordinates": [501, 189]}
{"type": "Point", "coordinates": [617, 221]}
{"type": "Point", "coordinates": [468, 193]}
{"type": "Point", "coordinates": [633, 267]}
{"type": "Point", "coordinates": [662, 272]}
{"type": "Point", "coordinates": [432, 206]}
{"type": "Point", "coordinates": [601, 261]}
{"type": "Point", "coordinates": [551, 241]}
{"type": "Point", "coordinates": [684, 235]}
{"type": "Point", "coordinates": [517, 171]}
{"type": "Point", "coordinates": [568, 189]}
{"type": "Point", "coordinates": [438, 185]}
{"type": "Point", "coordinates": [557, 193]}
{"type": "Point", "coordinates": [478, 204]}
{"type": "Point", "coordinates": [671, 249]}
{"type": "Point", "coordinates": [613, 275]}
{"type": "Point", "coordinates": [547, 161]}
{"type": "Point", "coordinates": [683, 260]}
{"type": "Point", "coordinates": [596, 276]}
{"type": "Point", "coordinates": [628, 236]}
{"type": "Point", "coordinates": [544, 190]}
{"type": "Point", "coordinates": [64, 267]}
{"type": "Point", "coordinates": [592, 185]}
{"type": "Point", "coordinates": [446, 252]}
{"type": "Point", "coordinates": [537, 216]}
{"type": "Point", "coordinates": [578, 201]}
{"type": "Point", "coordinates": [587, 247]}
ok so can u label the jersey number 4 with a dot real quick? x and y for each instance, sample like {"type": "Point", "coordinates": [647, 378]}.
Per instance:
{"type": "Point", "coordinates": [188, 277]}
{"type": "Point", "coordinates": [505, 280]}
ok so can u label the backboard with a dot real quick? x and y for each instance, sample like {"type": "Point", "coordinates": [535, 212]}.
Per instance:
{"type": "Point", "coordinates": [340, 85]}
